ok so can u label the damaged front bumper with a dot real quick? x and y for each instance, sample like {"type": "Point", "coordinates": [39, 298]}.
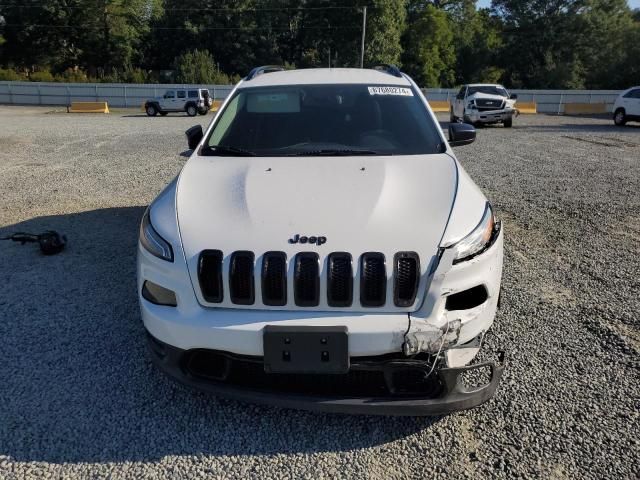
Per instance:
{"type": "Point", "coordinates": [383, 385]}
{"type": "Point", "coordinates": [490, 116]}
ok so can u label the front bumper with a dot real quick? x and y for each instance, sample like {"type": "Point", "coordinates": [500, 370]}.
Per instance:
{"type": "Point", "coordinates": [442, 392]}
{"type": "Point", "coordinates": [490, 116]}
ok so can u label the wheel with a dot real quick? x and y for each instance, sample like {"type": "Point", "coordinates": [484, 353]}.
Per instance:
{"type": "Point", "coordinates": [203, 111]}
{"type": "Point", "coordinates": [452, 117]}
{"type": "Point", "coordinates": [192, 111]}
{"type": "Point", "coordinates": [164, 114]}
{"type": "Point", "coordinates": [619, 118]}
{"type": "Point", "coordinates": [508, 123]}
{"type": "Point", "coordinates": [151, 110]}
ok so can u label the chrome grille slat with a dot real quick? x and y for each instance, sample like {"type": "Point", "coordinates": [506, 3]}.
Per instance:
{"type": "Point", "coordinates": [339, 280]}
{"type": "Point", "coordinates": [406, 276]}
{"type": "Point", "coordinates": [241, 278]}
{"type": "Point", "coordinates": [210, 275]}
{"type": "Point", "coordinates": [373, 280]}
{"type": "Point", "coordinates": [274, 279]}
{"type": "Point", "coordinates": [306, 276]}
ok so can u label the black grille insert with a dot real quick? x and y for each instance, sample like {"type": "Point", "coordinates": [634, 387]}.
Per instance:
{"type": "Point", "coordinates": [307, 279]}
{"type": "Point", "coordinates": [340, 280]}
{"type": "Point", "coordinates": [406, 272]}
{"type": "Point", "coordinates": [210, 275]}
{"type": "Point", "coordinates": [241, 283]}
{"type": "Point", "coordinates": [373, 279]}
{"type": "Point", "coordinates": [274, 278]}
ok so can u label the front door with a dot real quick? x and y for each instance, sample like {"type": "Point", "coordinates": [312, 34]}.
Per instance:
{"type": "Point", "coordinates": [458, 103]}
{"type": "Point", "coordinates": [168, 100]}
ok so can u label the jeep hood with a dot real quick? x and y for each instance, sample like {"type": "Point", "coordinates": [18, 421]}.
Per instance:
{"type": "Point", "coordinates": [360, 204]}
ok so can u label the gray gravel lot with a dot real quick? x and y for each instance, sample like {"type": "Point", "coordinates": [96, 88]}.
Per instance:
{"type": "Point", "coordinates": [80, 398]}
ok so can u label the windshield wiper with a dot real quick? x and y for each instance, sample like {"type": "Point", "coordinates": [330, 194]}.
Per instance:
{"type": "Point", "coordinates": [212, 150]}
{"type": "Point", "coordinates": [330, 152]}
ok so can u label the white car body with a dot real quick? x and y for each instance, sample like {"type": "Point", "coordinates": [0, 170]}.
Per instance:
{"type": "Point", "coordinates": [388, 204]}
{"type": "Point", "coordinates": [627, 106]}
{"type": "Point", "coordinates": [477, 107]}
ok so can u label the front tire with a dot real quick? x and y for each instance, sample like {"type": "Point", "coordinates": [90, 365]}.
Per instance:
{"type": "Point", "coordinates": [151, 110]}
{"type": "Point", "coordinates": [508, 123]}
{"type": "Point", "coordinates": [619, 117]}
{"type": "Point", "coordinates": [203, 111]}
{"type": "Point", "coordinates": [192, 111]}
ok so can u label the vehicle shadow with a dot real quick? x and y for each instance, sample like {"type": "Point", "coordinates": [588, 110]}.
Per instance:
{"type": "Point", "coordinates": [78, 384]}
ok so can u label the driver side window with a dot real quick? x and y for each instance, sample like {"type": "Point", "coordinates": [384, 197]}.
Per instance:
{"type": "Point", "coordinates": [460, 95]}
{"type": "Point", "coordinates": [169, 94]}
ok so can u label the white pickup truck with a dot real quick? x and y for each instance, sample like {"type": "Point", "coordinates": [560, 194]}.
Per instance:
{"type": "Point", "coordinates": [479, 104]}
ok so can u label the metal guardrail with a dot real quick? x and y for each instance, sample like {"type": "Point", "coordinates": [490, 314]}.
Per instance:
{"type": "Point", "coordinates": [115, 94]}
{"type": "Point", "coordinates": [132, 95]}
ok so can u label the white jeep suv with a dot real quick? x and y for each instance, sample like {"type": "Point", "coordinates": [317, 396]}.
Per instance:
{"type": "Point", "coordinates": [479, 104]}
{"type": "Point", "coordinates": [193, 101]}
{"type": "Point", "coordinates": [323, 249]}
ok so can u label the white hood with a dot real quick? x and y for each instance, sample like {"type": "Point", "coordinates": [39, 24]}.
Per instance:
{"type": "Point", "coordinates": [360, 204]}
{"type": "Point", "coordinates": [487, 96]}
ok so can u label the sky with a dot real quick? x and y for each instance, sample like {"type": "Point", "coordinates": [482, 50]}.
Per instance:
{"type": "Point", "coordinates": [487, 3]}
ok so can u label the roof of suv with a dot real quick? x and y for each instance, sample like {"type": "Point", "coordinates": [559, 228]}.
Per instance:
{"type": "Point", "coordinates": [315, 76]}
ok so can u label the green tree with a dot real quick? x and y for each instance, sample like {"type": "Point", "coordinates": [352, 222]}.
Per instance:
{"type": "Point", "coordinates": [196, 67]}
{"type": "Point", "coordinates": [429, 52]}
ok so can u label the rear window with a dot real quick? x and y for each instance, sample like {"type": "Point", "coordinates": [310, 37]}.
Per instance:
{"type": "Point", "coordinates": [306, 119]}
{"type": "Point", "coordinates": [193, 94]}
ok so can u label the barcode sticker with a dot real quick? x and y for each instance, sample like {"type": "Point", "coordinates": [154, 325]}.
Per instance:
{"type": "Point", "coordinates": [404, 92]}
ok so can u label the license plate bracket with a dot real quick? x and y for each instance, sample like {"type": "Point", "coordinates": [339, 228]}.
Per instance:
{"type": "Point", "coordinates": [306, 349]}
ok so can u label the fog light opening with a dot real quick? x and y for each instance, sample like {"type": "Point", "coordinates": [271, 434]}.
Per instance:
{"type": "Point", "coordinates": [208, 364]}
{"type": "Point", "coordinates": [467, 299]}
{"type": "Point", "coordinates": [158, 295]}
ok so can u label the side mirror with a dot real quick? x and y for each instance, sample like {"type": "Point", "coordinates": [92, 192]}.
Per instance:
{"type": "Point", "coordinates": [461, 134]}
{"type": "Point", "coordinates": [513, 96]}
{"type": "Point", "coordinates": [194, 135]}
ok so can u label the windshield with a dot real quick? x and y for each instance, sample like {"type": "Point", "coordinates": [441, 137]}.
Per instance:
{"type": "Point", "coordinates": [325, 120]}
{"type": "Point", "coordinates": [488, 89]}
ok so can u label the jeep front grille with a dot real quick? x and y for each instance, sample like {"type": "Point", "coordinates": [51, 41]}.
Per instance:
{"type": "Point", "coordinates": [308, 277]}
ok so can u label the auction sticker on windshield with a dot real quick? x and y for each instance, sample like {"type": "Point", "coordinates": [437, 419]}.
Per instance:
{"type": "Point", "coordinates": [405, 92]}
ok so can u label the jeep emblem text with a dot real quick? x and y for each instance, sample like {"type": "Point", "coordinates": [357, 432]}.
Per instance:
{"type": "Point", "coordinates": [302, 239]}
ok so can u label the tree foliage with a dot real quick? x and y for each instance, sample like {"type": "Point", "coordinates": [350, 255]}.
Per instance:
{"type": "Point", "coordinates": [521, 43]}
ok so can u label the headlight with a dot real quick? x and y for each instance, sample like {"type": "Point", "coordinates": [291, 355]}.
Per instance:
{"type": "Point", "coordinates": [471, 105]}
{"type": "Point", "coordinates": [478, 240]}
{"type": "Point", "coordinates": [152, 241]}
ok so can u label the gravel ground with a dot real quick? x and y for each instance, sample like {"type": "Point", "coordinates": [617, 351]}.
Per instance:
{"type": "Point", "coordinates": [80, 398]}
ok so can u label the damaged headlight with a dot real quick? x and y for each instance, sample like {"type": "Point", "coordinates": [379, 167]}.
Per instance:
{"type": "Point", "coordinates": [478, 240]}
{"type": "Point", "coordinates": [471, 105]}
{"type": "Point", "coordinates": [152, 241]}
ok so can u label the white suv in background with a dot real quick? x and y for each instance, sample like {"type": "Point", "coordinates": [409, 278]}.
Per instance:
{"type": "Point", "coordinates": [189, 100]}
{"type": "Point", "coordinates": [627, 107]}
{"type": "Point", "coordinates": [479, 104]}
{"type": "Point", "coordinates": [323, 248]}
